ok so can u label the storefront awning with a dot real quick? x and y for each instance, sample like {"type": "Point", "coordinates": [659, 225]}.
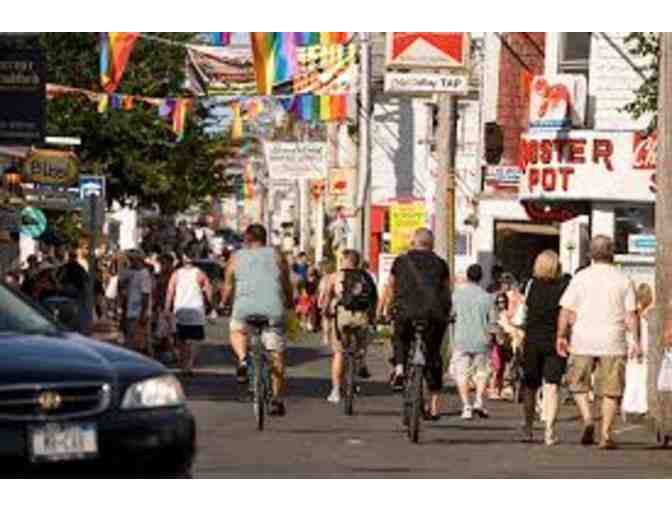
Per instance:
{"type": "Point", "coordinates": [528, 228]}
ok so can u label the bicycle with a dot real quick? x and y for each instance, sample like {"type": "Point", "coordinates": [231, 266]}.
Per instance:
{"type": "Point", "coordinates": [350, 368]}
{"type": "Point", "coordinates": [414, 401]}
{"type": "Point", "coordinates": [259, 369]}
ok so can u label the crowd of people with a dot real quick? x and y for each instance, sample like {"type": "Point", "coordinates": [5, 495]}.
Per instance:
{"type": "Point", "coordinates": [587, 332]}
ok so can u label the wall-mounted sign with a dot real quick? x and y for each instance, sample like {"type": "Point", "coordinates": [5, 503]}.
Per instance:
{"type": "Point", "coordinates": [342, 190]}
{"type": "Point", "coordinates": [642, 244]}
{"type": "Point", "coordinates": [645, 149]}
{"type": "Point", "coordinates": [583, 165]}
{"type": "Point", "coordinates": [296, 160]}
{"type": "Point", "coordinates": [558, 101]}
{"type": "Point", "coordinates": [51, 168]}
{"type": "Point", "coordinates": [409, 83]}
{"type": "Point", "coordinates": [23, 96]}
{"type": "Point", "coordinates": [33, 222]}
{"type": "Point", "coordinates": [428, 49]}
{"type": "Point", "coordinates": [502, 178]}
{"type": "Point", "coordinates": [405, 219]}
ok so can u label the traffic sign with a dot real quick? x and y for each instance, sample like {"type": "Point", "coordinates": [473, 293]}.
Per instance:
{"type": "Point", "coordinates": [33, 222]}
{"type": "Point", "coordinates": [91, 185]}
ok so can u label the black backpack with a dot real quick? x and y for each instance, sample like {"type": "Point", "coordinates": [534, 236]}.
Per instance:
{"type": "Point", "coordinates": [359, 291]}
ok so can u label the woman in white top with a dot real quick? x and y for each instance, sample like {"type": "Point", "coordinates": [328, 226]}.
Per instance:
{"type": "Point", "coordinates": [635, 396]}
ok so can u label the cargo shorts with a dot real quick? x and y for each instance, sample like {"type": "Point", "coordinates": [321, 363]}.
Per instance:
{"type": "Point", "coordinates": [609, 374]}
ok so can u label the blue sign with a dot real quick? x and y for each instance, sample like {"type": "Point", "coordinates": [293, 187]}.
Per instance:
{"type": "Point", "coordinates": [644, 244]}
{"type": "Point", "coordinates": [91, 185]}
{"type": "Point", "coordinates": [33, 222]}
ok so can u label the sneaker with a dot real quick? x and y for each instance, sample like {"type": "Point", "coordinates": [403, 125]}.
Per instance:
{"type": "Point", "coordinates": [480, 411]}
{"type": "Point", "coordinates": [467, 413]}
{"type": "Point", "coordinates": [588, 436]}
{"type": "Point", "coordinates": [607, 444]}
{"type": "Point", "coordinates": [363, 372]}
{"type": "Point", "coordinates": [397, 382]}
{"type": "Point", "coordinates": [277, 409]}
{"type": "Point", "coordinates": [550, 437]}
{"type": "Point", "coordinates": [242, 375]}
{"type": "Point", "coordinates": [526, 434]}
{"type": "Point", "coordinates": [334, 397]}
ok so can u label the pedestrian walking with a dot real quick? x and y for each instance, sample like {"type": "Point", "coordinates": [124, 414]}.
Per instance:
{"type": "Point", "coordinates": [541, 363]}
{"type": "Point", "coordinates": [189, 291]}
{"type": "Point", "coordinates": [600, 306]}
{"type": "Point", "coordinates": [635, 399]}
{"type": "Point", "coordinates": [474, 316]}
{"type": "Point", "coordinates": [135, 291]}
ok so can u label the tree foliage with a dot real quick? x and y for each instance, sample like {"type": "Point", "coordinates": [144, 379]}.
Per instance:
{"type": "Point", "coordinates": [645, 45]}
{"type": "Point", "coordinates": [136, 150]}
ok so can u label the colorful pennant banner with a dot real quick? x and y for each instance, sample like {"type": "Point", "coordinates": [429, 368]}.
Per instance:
{"type": "Point", "coordinates": [221, 38]}
{"type": "Point", "coordinates": [274, 55]}
{"type": "Point", "coordinates": [309, 107]}
{"type": "Point", "coordinates": [314, 38]}
{"type": "Point", "coordinates": [115, 50]}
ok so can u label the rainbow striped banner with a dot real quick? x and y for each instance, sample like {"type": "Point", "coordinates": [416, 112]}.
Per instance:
{"type": "Point", "coordinates": [221, 38]}
{"type": "Point", "coordinates": [274, 55]}
{"type": "Point", "coordinates": [322, 38]}
{"type": "Point", "coordinates": [309, 107]}
{"type": "Point", "coordinates": [115, 50]}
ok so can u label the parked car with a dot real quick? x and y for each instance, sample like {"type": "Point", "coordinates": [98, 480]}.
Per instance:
{"type": "Point", "coordinates": [68, 401]}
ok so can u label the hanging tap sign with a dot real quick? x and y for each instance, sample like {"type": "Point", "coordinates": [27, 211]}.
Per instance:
{"type": "Point", "coordinates": [296, 160]}
{"type": "Point", "coordinates": [442, 50]}
{"type": "Point", "coordinates": [23, 96]}
{"type": "Point", "coordinates": [51, 168]}
{"type": "Point", "coordinates": [612, 166]}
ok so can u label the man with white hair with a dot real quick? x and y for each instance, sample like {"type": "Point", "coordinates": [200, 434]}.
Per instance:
{"type": "Point", "coordinates": [419, 288]}
{"type": "Point", "coordinates": [600, 305]}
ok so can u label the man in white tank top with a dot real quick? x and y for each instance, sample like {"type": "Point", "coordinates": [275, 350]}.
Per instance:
{"type": "Point", "coordinates": [188, 290]}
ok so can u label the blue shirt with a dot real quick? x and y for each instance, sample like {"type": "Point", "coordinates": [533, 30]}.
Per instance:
{"type": "Point", "coordinates": [475, 313]}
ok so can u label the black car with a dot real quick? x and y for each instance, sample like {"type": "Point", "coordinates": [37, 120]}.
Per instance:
{"type": "Point", "coordinates": [71, 402]}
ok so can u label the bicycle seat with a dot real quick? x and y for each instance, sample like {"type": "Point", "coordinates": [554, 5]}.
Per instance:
{"type": "Point", "coordinates": [421, 324]}
{"type": "Point", "coordinates": [257, 321]}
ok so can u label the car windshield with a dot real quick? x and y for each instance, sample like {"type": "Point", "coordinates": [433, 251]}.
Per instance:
{"type": "Point", "coordinates": [18, 317]}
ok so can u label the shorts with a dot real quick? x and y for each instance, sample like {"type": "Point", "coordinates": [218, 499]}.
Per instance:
{"type": "Point", "coordinates": [541, 363]}
{"type": "Point", "coordinates": [357, 321]}
{"type": "Point", "coordinates": [274, 338]}
{"type": "Point", "coordinates": [464, 365]}
{"type": "Point", "coordinates": [187, 333]}
{"type": "Point", "coordinates": [609, 374]}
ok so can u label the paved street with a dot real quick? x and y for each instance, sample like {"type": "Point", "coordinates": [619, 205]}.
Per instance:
{"type": "Point", "coordinates": [315, 439]}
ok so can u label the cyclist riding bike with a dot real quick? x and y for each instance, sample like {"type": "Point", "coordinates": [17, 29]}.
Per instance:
{"type": "Point", "coordinates": [419, 289]}
{"type": "Point", "coordinates": [350, 300]}
{"type": "Point", "coordinates": [258, 279]}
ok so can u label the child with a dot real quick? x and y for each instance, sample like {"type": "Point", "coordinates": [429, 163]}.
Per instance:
{"type": "Point", "coordinates": [304, 306]}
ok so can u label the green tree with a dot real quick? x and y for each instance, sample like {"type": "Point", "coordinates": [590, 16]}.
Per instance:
{"type": "Point", "coordinates": [136, 150]}
{"type": "Point", "coordinates": [645, 45]}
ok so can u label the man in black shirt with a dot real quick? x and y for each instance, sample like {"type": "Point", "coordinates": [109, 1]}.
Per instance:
{"type": "Point", "coordinates": [419, 288]}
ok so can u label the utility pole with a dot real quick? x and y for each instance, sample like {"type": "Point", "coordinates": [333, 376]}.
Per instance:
{"type": "Point", "coordinates": [664, 184]}
{"type": "Point", "coordinates": [364, 152]}
{"type": "Point", "coordinates": [446, 140]}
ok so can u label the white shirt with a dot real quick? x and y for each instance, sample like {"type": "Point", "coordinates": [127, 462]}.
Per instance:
{"type": "Point", "coordinates": [189, 301]}
{"type": "Point", "coordinates": [601, 296]}
{"type": "Point", "coordinates": [136, 282]}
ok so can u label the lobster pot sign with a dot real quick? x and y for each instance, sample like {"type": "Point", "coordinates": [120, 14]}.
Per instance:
{"type": "Point", "coordinates": [558, 101]}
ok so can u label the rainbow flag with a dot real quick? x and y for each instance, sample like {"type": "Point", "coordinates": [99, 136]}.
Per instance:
{"type": "Point", "coordinates": [221, 38]}
{"type": "Point", "coordinates": [180, 116]}
{"type": "Point", "coordinates": [237, 125]}
{"type": "Point", "coordinates": [322, 38]}
{"type": "Point", "coordinates": [115, 50]}
{"type": "Point", "coordinates": [274, 56]}
{"type": "Point", "coordinates": [309, 107]}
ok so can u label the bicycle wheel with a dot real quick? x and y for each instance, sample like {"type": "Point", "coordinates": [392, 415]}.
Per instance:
{"type": "Point", "coordinates": [349, 398]}
{"type": "Point", "coordinates": [259, 392]}
{"type": "Point", "coordinates": [416, 404]}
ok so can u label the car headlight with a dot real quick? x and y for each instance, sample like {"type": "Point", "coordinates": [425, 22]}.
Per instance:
{"type": "Point", "coordinates": [164, 391]}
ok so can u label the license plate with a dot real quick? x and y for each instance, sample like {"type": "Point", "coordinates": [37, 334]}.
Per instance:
{"type": "Point", "coordinates": [55, 442]}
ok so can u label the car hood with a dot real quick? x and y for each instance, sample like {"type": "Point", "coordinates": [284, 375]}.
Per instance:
{"type": "Point", "coordinates": [70, 357]}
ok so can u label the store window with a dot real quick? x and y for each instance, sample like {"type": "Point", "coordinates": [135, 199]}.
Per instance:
{"type": "Point", "coordinates": [575, 53]}
{"type": "Point", "coordinates": [635, 230]}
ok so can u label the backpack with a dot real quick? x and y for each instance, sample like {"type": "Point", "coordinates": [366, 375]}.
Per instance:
{"type": "Point", "coordinates": [359, 291]}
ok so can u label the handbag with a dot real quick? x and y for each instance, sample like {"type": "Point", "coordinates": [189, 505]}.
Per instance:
{"type": "Point", "coordinates": [665, 372]}
{"type": "Point", "coordinates": [519, 319]}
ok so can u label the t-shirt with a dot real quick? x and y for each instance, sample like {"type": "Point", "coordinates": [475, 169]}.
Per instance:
{"type": "Point", "coordinates": [475, 313]}
{"type": "Point", "coordinates": [136, 282]}
{"type": "Point", "coordinates": [420, 286]}
{"type": "Point", "coordinates": [601, 296]}
{"type": "Point", "coordinates": [543, 309]}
